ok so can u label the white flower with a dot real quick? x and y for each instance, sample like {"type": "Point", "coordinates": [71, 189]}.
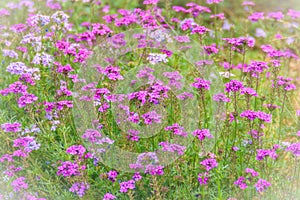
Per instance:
{"type": "Point", "coordinates": [155, 58]}
{"type": "Point", "coordinates": [226, 74]}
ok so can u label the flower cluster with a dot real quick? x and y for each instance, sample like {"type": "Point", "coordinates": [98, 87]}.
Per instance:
{"type": "Point", "coordinates": [202, 134]}
{"type": "Point", "coordinates": [252, 115]}
{"type": "Point", "coordinates": [79, 188]}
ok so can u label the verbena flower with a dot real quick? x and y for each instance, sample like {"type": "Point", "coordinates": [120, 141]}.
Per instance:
{"type": "Point", "coordinates": [166, 146]}
{"type": "Point", "coordinates": [209, 163]}
{"type": "Point", "coordinates": [252, 172]}
{"type": "Point", "coordinates": [177, 130]}
{"type": "Point", "coordinates": [11, 127]}
{"type": "Point", "coordinates": [241, 182]}
{"type": "Point", "coordinates": [19, 184]}
{"type": "Point", "coordinates": [76, 150]}
{"type": "Point", "coordinates": [112, 175]}
{"type": "Point", "coordinates": [109, 196]}
{"type": "Point", "coordinates": [294, 148]}
{"type": "Point", "coordinates": [262, 185]}
{"type": "Point", "coordinates": [201, 84]}
{"type": "Point", "coordinates": [155, 170]}
{"type": "Point", "coordinates": [203, 178]}
{"type": "Point", "coordinates": [233, 86]}
{"type": "Point", "coordinates": [202, 134]}
{"type": "Point", "coordinates": [127, 185]}
{"type": "Point", "coordinates": [79, 188]}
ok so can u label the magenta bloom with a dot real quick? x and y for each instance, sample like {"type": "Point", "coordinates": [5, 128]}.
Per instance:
{"type": "Point", "coordinates": [109, 196]}
{"type": "Point", "coordinates": [166, 146]}
{"type": "Point", "coordinates": [262, 185]}
{"type": "Point", "coordinates": [79, 188]}
{"type": "Point", "coordinates": [203, 178]}
{"type": "Point", "coordinates": [177, 130]}
{"type": "Point", "coordinates": [209, 163]}
{"type": "Point", "coordinates": [201, 84]}
{"type": "Point", "coordinates": [112, 175]}
{"type": "Point", "coordinates": [19, 184]}
{"type": "Point", "coordinates": [220, 97]}
{"type": "Point", "coordinates": [150, 2]}
{"type": "Point", "coordinates": [68, 168]}
{"type": "Point", "coordinates": [213, 1]}
{"type": "Point", "coordinates": [276, 15]}
{"type": "Point", "coordinates": [137, 176]}
{"type": "Point", "coordinates": [233, 86]}
{"type": "Point", "coordinates": [202, 134]}
{"type": "Point", "coordinates": [249, 91]}
{"type": "Point", "coordinates": [256, 16]}
{"type": "Point", "coordinates": [155, 170]}
{"type": "Point", "coordinates": [14, 127]}
{"type": "Point", "coordinates": [151, 117]}
{"type": "Point", "coordinates": [241, 183]}
{"type": "Point", "coordinates": [252, 172]}
{"type": "Point", "coordinates": [200, 30]}
{"type": "Point", "coordinates": [294, 148]}
{"type": "Point", "coordinates": [26, 100]}
{"type": "Point", "coordinates": [77, 150]}
{"type": "Point", "coordinates": [125, 186]}
{"type": "Point", "coordinates": [262, 153]}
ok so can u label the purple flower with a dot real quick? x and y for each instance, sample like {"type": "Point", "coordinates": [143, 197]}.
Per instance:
{"type": "Point", "coordinates": [256, 16]}
{"type": "Point", "coordinates": [79, 188]}
{"type": "Point", "coordinates": [220, 97]}
{"type": "Point", "coordinates": [19, 184]}
{"type": "Point", "coordinates": [137, 176]}
{"type": "Point", "coordinates": [182, 39]}
{"type": "Point", "coordinates": [213, 1]}
{"type": "Point", "coordinates": [276, 15]}
{"type": "Point", "coordinates": [233, 86]}
{"type": "Point", "coordinates": [200, 30]}
{"type": "Point", "coordinates": [174, 78]}
{"type": "Point", "coordinates": [293, 13]}
{"type": "Point", "coordinates": [177, 130]}
{"type": "Point", "coordinates": [209, 163]}
{"type": "Point", "coordinates": [18, 68]}
{"type": "Point", "coordinates": [154, 170]}
{"type": "Point", "coordinates": [260, 33]}
{"type": "Point", "coordinates": [261, 185]}
{"type": "Point", "coordinates": [77, 150]}
{"type": "Point", "coordinates": [113, 73]}
{"type": "Point", "coordinates": [249, 91]}
{"type": "Point", "coordinates": [202, 134]}
{"type": "Point", "coordinates": [211, 49]}
{"type": "Point", "coordinates": [201, 84]}
{"type": "Point", "coordinates": [166, 146]}
{"type": "Point", "coordinates": [150, 2]}
{"type": "Point", "coordinates": [151, 117]}
{"type": "Point", "coordinates": [241, 183]}
{"type": "Point", "coordinates": [203, 178]}
{"type": "Point", "coordinates": [91, 135]}
{"type": "Point", "coordinates": [14, 127]}
{"type": "Point", "coordinates": [252, 115]}
{"type": "Point", "coordinates": [185, 95]}
{"type": "Point", "coordinates": [112, 175]}
{"type": "Point", "coordinates": [294, 148]}
{"type": "Point", "coordinates": [256, 66]}
{"type": "Point", "coordinates": [68, 168]}
{"type": "Point", "coordinates": [109, 196]}
{"type": "Point", "coordinates": [26, 99]}
{"type": "Point", "coordinates": [125, 186]}
{"type": "Point", "coordinates": [262, 153]}
{"type": "Point", "coordinates": [251, 171]}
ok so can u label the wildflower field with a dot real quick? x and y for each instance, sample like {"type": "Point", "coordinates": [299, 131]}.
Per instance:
{"type": "Point", "coordinates": [149, 100]}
